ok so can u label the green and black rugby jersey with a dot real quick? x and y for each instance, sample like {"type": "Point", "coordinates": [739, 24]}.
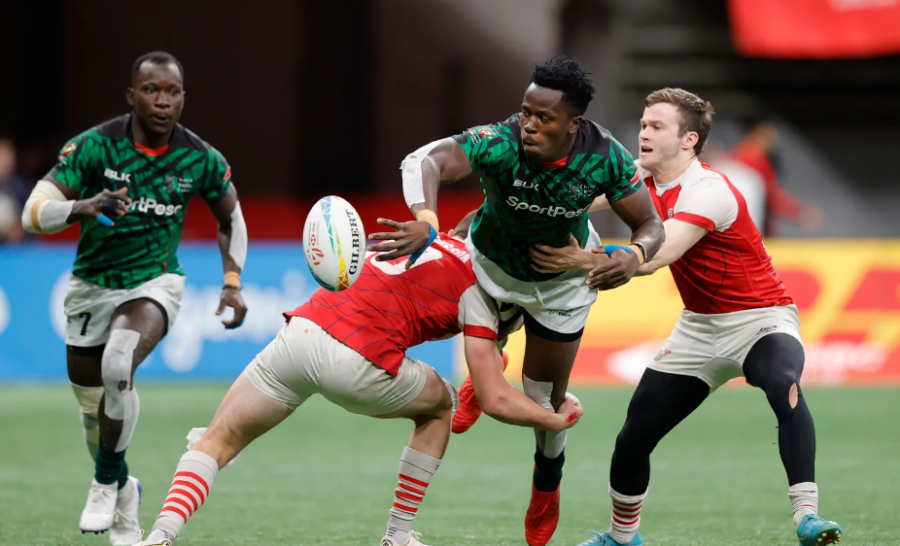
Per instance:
{"type": "Point", "coordinates": [143, 244]}
{"type": "Point", "coordinates": [527, 204]}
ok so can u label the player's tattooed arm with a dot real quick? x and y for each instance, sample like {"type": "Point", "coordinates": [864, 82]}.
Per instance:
{"type": "Point", "coordinates": [232, 238]}
{"type": "Point", "coordinates": [680, 236]}
{"type": "Point", "coordinates": [504, 402]}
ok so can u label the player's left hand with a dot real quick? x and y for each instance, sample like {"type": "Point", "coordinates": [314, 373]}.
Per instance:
{"type": "Point", "coordinates": [409, 238]}
{"type": "Point", "coordinates": [548, 259]}
{"type": "Point", "coordinates": [231, 297]}
{"type": "Point", "coordinates": [618, 271]}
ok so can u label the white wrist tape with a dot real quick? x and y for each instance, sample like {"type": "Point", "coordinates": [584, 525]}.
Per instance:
{"type": "Point", "coordinates": [237, 249]}
{"type": "Point", "coordinates": [411, 169]}
{"type": "Point", "coordinates": [46, 209]}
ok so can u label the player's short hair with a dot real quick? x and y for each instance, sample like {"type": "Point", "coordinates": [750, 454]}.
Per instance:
{"type": "Point", "coordinates": [462, 228]}
{"type": "Point", "coordinates": [564, 74]}
{"type": "Point", "coordinates": [696, 113]}
{"type": "Point", "coordinates": [155, 57]}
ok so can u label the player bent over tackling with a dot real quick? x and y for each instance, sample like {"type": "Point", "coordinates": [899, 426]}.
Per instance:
{"type": "Point", "coordinates": [738, 320]}
{"type": "Point", "coordinates": [350, 348]}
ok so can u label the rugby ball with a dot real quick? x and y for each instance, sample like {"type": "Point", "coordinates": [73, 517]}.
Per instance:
{"type": "Point", "coordinates": [334, 243]}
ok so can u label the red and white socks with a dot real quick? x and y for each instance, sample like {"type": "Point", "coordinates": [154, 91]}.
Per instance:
{"type": "Point", "coordinates": [194, 479]}
{"type": "Point", "coordinates": [626, 516]}
{"type": "Point", "coordinates": [416, 470]}
{"type": "Point", "coordinates": [804, 500]}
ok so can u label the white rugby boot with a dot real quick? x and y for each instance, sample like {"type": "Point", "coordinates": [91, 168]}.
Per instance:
{"type": "Point", "coordinates": [100, 509]}
{"type": "Point", "coordinates": [126, 529]}
{"type": "Point", "coordinates": [413, 540]}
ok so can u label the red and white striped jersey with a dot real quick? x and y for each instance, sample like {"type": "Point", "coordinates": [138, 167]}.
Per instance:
{"type": "Point", "coordinates": [389, 309]}
{"type": "Point", "coordinates": [729, 269]}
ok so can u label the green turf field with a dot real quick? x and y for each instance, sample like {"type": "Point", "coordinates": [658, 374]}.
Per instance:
{"type": "Point", "coordinates": [327, 477]}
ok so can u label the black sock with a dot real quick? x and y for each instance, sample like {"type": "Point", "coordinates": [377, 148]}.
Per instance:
{"type": "Point", "coordinates": [111, 467]}
{"type": "Point", "coordinates": [547, 472]}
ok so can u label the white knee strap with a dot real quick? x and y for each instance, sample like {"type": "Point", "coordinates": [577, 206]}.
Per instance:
{"type": "Point", "coordinates": [454, 397]}
{"type": "Point", "coordinates": [122, 403]}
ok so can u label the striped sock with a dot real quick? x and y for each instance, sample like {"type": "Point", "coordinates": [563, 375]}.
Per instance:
{"type": "Point", "coordinates": [804, 500]}
{"type": "Point", "coordinates": [626, 516]}
{"type": "Point", "coordinates": [416, 470]}
{"type": "Point", "coordinates": [194, 478]}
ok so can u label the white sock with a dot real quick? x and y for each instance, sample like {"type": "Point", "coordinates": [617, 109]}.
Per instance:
{"type": "Point", "coordinates": [416, 470]}
{"type": "Point", "coordinates": [194, 479]}
{"type": "Point", "coordinates": [804, 500]}
{"type": "Point", "coordinates": [626, 516]}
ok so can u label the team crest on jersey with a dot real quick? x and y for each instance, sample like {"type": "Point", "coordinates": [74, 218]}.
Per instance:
{"type": "Point", "coordinates": [662, 354]}
{"type": "Point", "coordinates": [477, 133]}
{"type": "Point", "coordinates": [70, 147]}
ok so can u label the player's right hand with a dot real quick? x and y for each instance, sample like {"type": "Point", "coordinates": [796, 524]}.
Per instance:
{"type": "Point", "coordinates": [107, 203]}
{"type": "Point", "coordinates": [409, 238]}
{"type": "Point", "coordinates": [569, 412]}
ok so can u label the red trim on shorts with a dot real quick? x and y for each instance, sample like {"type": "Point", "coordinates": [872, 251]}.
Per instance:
{"type": "Point", "coordinates": [479, 331]}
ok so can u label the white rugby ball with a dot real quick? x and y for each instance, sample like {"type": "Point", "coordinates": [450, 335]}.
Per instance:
{"type": "Point", "coordinates": [334, 242]}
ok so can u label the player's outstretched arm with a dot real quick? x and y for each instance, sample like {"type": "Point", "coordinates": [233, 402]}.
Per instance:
{"type": "Point", "coordinates": [441, 162]}
{"type": "Point", "coordinates": [504, 402]}
{"type": "Point", "coordinates": [680, 236]}
{"type": "Point", "coordinates": [232, 236]}
{"type": "Point", "coordinates": [647, 236]}
{"type": "Point", "coordinates": [52, 207]}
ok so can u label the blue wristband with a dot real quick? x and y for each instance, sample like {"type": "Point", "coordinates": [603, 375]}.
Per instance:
{"type": "Point", "coordinates": [609, 249]}
{"type": "Point", "coordinates": [105, 221]}
{"type": "Point", "coordinates": [418, 254]}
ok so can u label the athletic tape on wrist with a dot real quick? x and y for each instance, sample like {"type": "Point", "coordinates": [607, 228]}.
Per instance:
{"type": "Point", "coordinates": [432, 235]}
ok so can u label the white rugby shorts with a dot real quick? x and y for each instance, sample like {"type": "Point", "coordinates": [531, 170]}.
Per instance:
{"type": "Point", "coordinates": [713, 347]}
{"type": "Point", "coordinates": [89, 307]}
{"type": "Point", "coordinates": [304, 360]}
{"type": "Point", "coordinates": [561, 304]}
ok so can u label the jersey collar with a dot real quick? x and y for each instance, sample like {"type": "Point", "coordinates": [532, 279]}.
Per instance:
{"type": "Point", "coordinates": [663, 188]}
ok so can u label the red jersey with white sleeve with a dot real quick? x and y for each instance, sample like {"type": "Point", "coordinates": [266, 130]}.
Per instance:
{"type": "Point", "coordinates": [390, 309]}
{"type": "Point", "coordinates": [729, 268]}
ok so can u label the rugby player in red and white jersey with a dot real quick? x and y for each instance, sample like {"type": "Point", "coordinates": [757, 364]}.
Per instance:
{"type": "Point", "coordinates": [737, 319]}
{"type": "Point", "coordinates": [350, 347]}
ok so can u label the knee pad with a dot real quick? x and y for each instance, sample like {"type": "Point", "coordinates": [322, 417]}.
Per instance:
{"type": "Point", "coordinates": [122, 403]}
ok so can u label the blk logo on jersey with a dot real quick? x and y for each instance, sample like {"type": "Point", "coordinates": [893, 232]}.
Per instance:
{"type": "Point", "coordinates": [117, 176]}
{"type": "Point", "coordinates": [670, 213]}
{"type": "Point", "coordinates": [526, 185]}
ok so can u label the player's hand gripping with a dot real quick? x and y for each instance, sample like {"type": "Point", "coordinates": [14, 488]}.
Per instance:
{"type": "Point", "coordinates": [623, 264]}
{"type": "Point", "coordinates": [569, 413]}
{"type": "Point", "coordinates": [548, 259]}
{"type": "Point", "coordinates": [104, 206]}
{"type": "Point", "coordinates": [231, 297]}
{"type": "Point", "coordinates": [409, 238]}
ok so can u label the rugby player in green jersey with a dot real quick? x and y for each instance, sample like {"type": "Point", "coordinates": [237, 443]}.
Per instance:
{"type": "Point", "coordinates": [128, 182]}
{"type": "Point", "coordinates": [541, 170]}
